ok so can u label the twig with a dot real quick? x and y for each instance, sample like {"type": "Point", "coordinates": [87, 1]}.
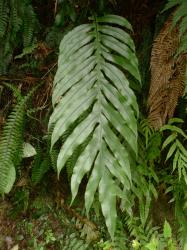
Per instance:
{"type": "Point", "coordinates": [55, 10]}
{"type": "Point", "coordinates": [31, 78]}
{"type": "Point", "coordinates": [52, 67]}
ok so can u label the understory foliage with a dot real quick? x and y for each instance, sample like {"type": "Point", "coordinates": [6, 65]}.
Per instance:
{"type": "Point", "coordinates": [11, 143]}
{"type": "Point", "coordinates": [124, 149]}
{"type": "Point", "coordinates": [18, 23]}
{"type": "Point", "coordinates": [10, 146]}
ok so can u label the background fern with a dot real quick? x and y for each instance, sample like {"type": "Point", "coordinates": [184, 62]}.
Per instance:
{"type": "Point", "coordinates": [3, 17]}
{"type": "Point", "coordinates": [176, 151]}
{"type": "Point", "coordinates": [11, 147]}
{"type": "Point", "coordinates": [29, 25]}
{"type": "Point", "coordinates": [40, 165]}
{"type": "Point", "coordinates": [18, 24]}
{"type": "Point", "coordinates": [11, 143]}
{"type": "Point", "coordinates": [72, 241]}
{"type": "Point", "coordinates": [120, 241]}
{"type": "Point", "coordinates": [44, 160]}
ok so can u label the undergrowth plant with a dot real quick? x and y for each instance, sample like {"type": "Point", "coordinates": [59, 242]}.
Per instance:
{"type": "Point", "coordinates": [11, 143]}
{"type": "Point", "coordinates": [18, 23]}
{"type": "Point", "coordinates": [177, 151]}
{"type": "Point", "coordinates": [95, 132]}
{"type": "Point", "coordinates": [90, 77]}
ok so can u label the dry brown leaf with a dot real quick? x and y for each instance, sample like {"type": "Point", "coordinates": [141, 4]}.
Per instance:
{"type": "Point", "coordinates": [167, 75]}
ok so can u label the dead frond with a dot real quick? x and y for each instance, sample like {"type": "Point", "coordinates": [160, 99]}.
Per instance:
{"type": "Point", "coordinates": [167, 75]}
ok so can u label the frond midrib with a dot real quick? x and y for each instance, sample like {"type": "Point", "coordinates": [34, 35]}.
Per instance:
{"type": "Point", "coordinates": [99, 93]}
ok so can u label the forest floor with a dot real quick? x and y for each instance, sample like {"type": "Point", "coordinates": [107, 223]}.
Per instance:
{"type": "Point", "coordinates": [39, 218]}
{"type": "Point", "coordinates": [38, 227]}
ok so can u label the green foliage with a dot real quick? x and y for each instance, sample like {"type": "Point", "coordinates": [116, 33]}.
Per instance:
{"type": "Point", "coordinates": [43, 161]}
{"type": "Point", "coordinates": [40, 166]}
{"type": "Point", "coordinates": [162, 241]}
{"type": "Point", "coordinates": [11, 147]}
{"type": "Point", "coordinates": [145, 178]}
{"type": "Point", "coordinates": [67, 11]}
{"type": "Point", "coordinates": [33, 239]}
{"type": "Point", "coordinates": [72, 241]}
{"type": "Point", "coordinates": [138, 231]}
{"type": "Point", "coordinates": [120, 240]}
{"type": "Point", "coordinates": [94, 121]}
{"type": "Point", "coordinates": [26, 51]}
{"type": "Point", "coordinates": [20, 202]}
{"type": "Point", "coordinates": [11, 143]}
{"type": "Point", "coordinates": [149, 142]}
{"type": "Point", "coordinates": [167, 230]}
{"type": "Point", "coordinates": [89, 76]}
{"type": "Point", "coordinates": [177, 151]}
{"type": "Point", "coordinates": [18, 23]}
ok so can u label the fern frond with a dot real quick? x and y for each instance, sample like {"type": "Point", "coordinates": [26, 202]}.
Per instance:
{"type": "Point", "coordinates": [89, 77]}
{"type": "Point", "coordinates": [40, 166]}
{"type": "Point", "coordinates": [16, 91]}
{"type": "Point", "coordinates": [29, 24]}
{"type": "Point", "coordinates": [18, 23]}
{"type": "Point", "coordinates": [177, 150]}
{"type": "Point", "coordinates": [180, 215]}
{"type": "Point", "coordinates": [142, 234]}
{"type": "Point", "coordinates": [11, 144]}
{"type": "Point", "coordinates": [38, 171]}
{"type": "Point", "coordinates": [171, 4]}
{"type": "Point", "coordinates": [73, 241]}
{"type": "Point", "coordinates": [53, 156]}
{"type": "Point", "coordinates": [168, 65]}
{"type": "Point", "coordinates": [167, 75]}
{"type": "Point", "coordinates": [146, 130]}
{"type": "Point", "coordinates": [120, 239]}
{"type": "Point", "coordinates": [15, 19]}
{"type": "Point", "coordinates": [3, 17]}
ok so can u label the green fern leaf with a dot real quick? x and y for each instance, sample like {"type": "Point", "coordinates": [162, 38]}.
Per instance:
{"type": "Point", "coordinates": [177, 150]}
{"type": "Point", "coordinates": [3, 17]}
{"type": "Point", "coordinates": [74, 242]}
{"type": "Point", "coordinates": [16, 91]}
{"type": "Point", "coordinates": [120, 239]}
{"type": "Point", "coordinates": [15, 19]}
{"type": "Point", "coordinates": [39, 170]}
{"type": "Point", "coordinates": [40, 166]}
{"type": "Point", "coordinates": [18, 24]}
{"type": "Point", "coordinates": [11, 146]}
{"type": "Point", "coordinates": [171, 4]}
{"type": "Point", "coordinates": [89, 77]}
{"type": "Point", "coordinates": [170, 139]}
{"type": "Point", "coordinates": [29, 22]}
